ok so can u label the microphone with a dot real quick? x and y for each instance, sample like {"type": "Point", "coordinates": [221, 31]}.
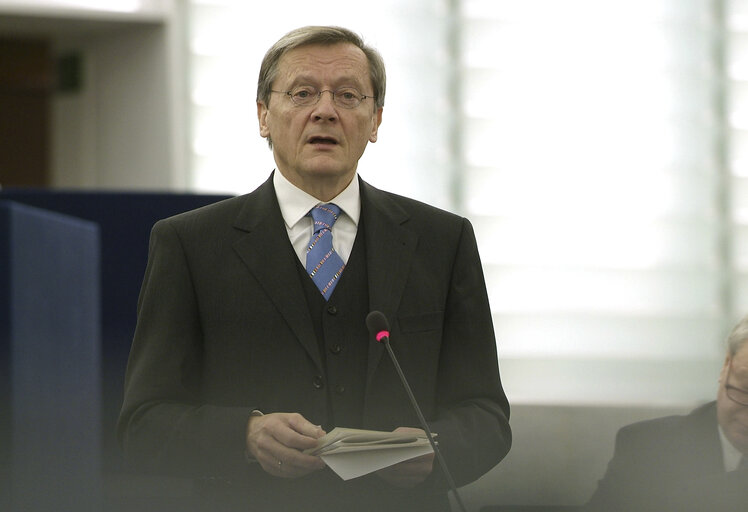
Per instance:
{"type": "Point", "coordinates": [379, 328]}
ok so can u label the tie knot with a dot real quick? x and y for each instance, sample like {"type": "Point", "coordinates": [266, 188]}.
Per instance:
{"type": "Point", "coordinates": [324, 216]}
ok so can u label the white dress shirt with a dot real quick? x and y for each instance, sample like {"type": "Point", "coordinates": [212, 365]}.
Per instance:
{"type": "Point", "coordinates": [731, 455]}
{"type": "Point", "coordinates": [295, 204]}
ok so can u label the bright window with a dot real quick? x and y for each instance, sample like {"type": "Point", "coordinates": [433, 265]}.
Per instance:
{"type": "Point", "coordinates": [593, 170]}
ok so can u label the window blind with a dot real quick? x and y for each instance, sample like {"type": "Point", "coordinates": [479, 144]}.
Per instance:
{"type": "Point", "coordinates": [592, 171]}
{"type": "Point", "coordinates": [737, 196]}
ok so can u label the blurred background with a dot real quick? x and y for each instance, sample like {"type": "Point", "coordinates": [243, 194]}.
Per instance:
{"type": "Point", "coordinates": [600, 148]}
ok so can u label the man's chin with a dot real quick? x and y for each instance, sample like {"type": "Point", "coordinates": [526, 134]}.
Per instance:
{"type": "Point", "coordinates": [328, 169]}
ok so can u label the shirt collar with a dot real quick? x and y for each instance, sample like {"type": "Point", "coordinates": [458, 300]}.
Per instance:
{"type": "Point", "coordinates": [295, 203]}
{"type": "Point", "coordinates": [731, 455]}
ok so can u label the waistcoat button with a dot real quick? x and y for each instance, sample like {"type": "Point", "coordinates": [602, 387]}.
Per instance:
{"type": "Point", "coordinates": [317, 382]}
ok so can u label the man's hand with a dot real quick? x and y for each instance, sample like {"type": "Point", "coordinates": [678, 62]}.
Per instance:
{"type": "Point", "coordinates": [411, 472]}
{"type": "Point", "coordinates": [277, 441]}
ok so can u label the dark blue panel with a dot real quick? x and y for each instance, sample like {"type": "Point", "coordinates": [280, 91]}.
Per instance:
{"type": "Point", "coordinates": [52, 351]}
{"type": "Point", "coordinates": [5, 417]}
{"type": "Point", "coordinates": [125, 220]}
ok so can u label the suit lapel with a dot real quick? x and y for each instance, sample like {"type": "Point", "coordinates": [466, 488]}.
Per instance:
{"type": "Point", "coordinates": [390, 248]}
{"type": "Point", "coordinates": [274, 265]}
{"type": "Point", "coordinates": [704, 438]}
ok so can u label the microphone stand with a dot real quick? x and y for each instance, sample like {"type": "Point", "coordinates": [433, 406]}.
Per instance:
{"type": "Point", "coordinates": [442, 463]}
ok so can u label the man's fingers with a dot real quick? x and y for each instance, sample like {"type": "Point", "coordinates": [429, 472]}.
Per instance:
{"type": "Point", "coordinates": [305, 427]}
{"type": "Point", "coordinates": [291, 464]}
{"type": "Point", "coordinates": [297, 432]}
{"type": "Point", "coordinates": [277, 440]}
{"type": "Point", "coordinates": [408, 473]}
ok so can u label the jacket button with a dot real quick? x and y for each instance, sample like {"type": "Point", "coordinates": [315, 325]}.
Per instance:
{"type": "Point", "coordinates": [336, 349]}
{"type": "Point", "coordinates": [340, 389]}
{"type": "Point", "coordinates": [332, 310]}
{"type": "Point", "coordinates": [317, 382]}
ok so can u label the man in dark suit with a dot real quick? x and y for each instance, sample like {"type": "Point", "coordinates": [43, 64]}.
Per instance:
{"type": "Point", "coordinates": [695, 462]}
{"type": "Point", "coordinates": [251, 340]}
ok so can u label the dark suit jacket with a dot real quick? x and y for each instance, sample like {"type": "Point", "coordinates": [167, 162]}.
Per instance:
{"type": "Point", "coordinates": [670, 464]}
{"type": "Point", "coordinates": [224, 328]}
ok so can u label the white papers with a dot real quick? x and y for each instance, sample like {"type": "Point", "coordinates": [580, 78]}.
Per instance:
{"type": "Point", "coordinates": [352, 453]}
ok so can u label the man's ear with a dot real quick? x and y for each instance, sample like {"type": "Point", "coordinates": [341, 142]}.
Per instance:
{"type": "Point", "coordinates": [376, 120]}
{"type": "Point", "coordinates": [262, 117]}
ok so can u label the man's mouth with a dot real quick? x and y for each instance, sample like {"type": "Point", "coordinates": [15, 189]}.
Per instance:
{"type": "Point", "coordinates": [322, 140]}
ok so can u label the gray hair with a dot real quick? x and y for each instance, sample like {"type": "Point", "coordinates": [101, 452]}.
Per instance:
{"type": "Point", "coordinates": [738, 336]}
{"type": "Point", "coordinates": [305, 36]}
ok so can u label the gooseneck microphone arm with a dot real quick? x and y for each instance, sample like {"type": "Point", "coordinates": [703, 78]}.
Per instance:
{"type": "Point", "coordinates": [378, 326]}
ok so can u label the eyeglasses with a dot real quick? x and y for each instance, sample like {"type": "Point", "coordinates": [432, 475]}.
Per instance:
{"type": "Point", "coordinates": [306, 96]}
{"type": "Point", "coordinates": [737, 395]}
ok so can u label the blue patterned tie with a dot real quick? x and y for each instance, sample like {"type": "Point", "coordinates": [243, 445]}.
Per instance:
{"type": "Point", "coordinates": [323, 264]}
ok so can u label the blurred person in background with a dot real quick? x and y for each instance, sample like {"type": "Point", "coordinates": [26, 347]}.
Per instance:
{"type": "Point", "coordinates": [696, 462]}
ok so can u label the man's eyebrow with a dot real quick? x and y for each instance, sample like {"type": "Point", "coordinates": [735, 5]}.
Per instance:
{"type": "Point", "coordinates": [301, 79]}
{"type": "Point", "coordinates": [343, 80]}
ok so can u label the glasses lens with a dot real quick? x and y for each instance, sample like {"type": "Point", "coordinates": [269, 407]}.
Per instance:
{"type": "Point", "coordinates": [304, 95]}
{"type": "Point", "coordinates": [347, 97]}
{"type": "Point", "coordinates": [737, 395]}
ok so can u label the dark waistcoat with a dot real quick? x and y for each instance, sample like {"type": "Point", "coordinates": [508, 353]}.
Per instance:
{"type": "Point", "coordinates": [342, 336]}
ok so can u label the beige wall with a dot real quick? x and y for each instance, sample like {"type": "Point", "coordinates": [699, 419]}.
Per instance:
{"type": "Point", "coordinates": [124, 128]}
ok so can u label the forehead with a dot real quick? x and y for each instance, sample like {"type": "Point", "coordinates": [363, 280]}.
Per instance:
{"type": "Point", "coordinates": [324, 63]}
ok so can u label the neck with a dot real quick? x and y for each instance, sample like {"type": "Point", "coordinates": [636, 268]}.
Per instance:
{"type": "Point", "coordinates": [323, 188]}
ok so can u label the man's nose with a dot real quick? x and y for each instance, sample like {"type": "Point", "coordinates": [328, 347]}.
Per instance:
{"type": "Point", "coordinates": [325, 107]}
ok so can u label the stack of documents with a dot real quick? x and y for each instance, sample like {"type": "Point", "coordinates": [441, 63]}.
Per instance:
{"type": "Point", "coordinates": [352, 452]}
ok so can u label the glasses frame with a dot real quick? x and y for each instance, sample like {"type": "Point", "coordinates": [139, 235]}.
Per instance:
{"type": "Point", "coordinates": [730, 390]}
{"type": "Point", "coordinates": [361, 97]}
